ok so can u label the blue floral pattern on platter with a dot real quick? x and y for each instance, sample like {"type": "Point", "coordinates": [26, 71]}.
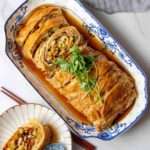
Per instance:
{"type": "Point", "coordinates": [89, 131]}
{"type": "Point", "coordinates": [93, 25]}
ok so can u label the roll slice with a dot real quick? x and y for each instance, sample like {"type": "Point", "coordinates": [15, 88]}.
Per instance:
{"type": "Point", "coordinates": [33, 20]}
{"type": "Point", "coordinates": [31, 136]}
{"type": "Point", "coordinates": [57, 45]}
{"type": "Point", "coordinates": [36, 37]}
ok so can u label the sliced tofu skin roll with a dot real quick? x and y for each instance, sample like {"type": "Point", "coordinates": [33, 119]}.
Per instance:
{"type": "Point", "coordinates": [36, 37]}
{"type": "Point", "coordinates": [39, 54]}
{"type": "Point", "coordinates": [32, 21]}
{"type": "Point", "coordinates": [59, 44]}
{"type": "Point", "coordinates": [31, 136]}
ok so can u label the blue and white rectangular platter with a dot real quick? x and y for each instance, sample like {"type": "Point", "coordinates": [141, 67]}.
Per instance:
{"type": "Point", "coordinates": [95, 27]}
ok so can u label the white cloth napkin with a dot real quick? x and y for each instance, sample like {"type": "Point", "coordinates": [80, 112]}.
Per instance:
{"type": "Point", "coordinates": [112, 6]}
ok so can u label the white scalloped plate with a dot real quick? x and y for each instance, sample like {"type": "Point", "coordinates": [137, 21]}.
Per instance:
{"type": "Point", "coordinates": [21, 114]}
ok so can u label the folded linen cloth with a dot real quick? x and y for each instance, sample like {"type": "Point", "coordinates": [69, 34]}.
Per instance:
{"type": "Point", "coordinates": [112, 6]}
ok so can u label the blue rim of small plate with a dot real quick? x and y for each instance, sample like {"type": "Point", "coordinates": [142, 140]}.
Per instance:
{"type": "Point", "coordinates": [126, 53]}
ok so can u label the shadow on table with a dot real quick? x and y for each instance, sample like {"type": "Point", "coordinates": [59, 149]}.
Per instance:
{"type": "Point", "coordinates": [126, 43]}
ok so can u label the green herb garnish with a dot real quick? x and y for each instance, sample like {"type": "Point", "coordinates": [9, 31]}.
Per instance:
{"type": "Point", "coordinates": [80, 66]}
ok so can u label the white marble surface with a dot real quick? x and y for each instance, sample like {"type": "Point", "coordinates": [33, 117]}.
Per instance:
{"type": "Point", "coordinates": [132, 30]}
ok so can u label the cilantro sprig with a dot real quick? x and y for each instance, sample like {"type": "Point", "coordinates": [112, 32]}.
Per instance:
{"type": "Point", "coordinates": [80, 66]}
